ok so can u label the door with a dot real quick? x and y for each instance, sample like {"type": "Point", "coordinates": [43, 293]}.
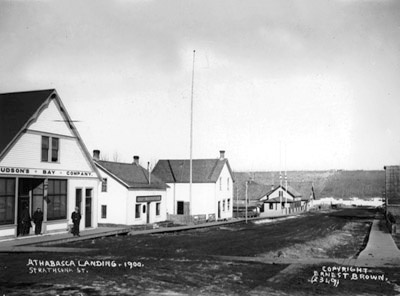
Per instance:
{"type": "Point", "coordinates": [30, 197]}
{"type": "Point", "coordinates": [88, 208]}
{"type": "Point", "coordinates": [148, 213]}
{"type": "Point", "coordinates": [23, 202]}
{"type": "Point", "coordinates": [78, 198]}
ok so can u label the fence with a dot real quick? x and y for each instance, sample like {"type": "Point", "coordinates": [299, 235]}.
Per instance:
{"type": "Point", "coordinates": [191, 219]}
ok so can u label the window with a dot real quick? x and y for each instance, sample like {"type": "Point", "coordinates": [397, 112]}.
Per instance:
{"type": "Point", "coordinates": [47, 148]}
{"type": "Point", "coordinates": [180, 208]}
{"type": "Point", "coordinates": [271, 206]}
{"type": "Point", "coordinates": [137, 211]}
{"type": "Point", "coordinates": [158, 209]}
{"type": "Point", "coordinates": [104, 185]}
{"type": "Point", "coordinates": [223, 205]}
{"type": "Point", "coordinates": [220, 183]}
{"type": "Point", "coordinates": [262, 208]}
{"type": "Point", "coordinates": [54, 149]}
{"type": "Point", "coordinates": [144, 209]}
{"type": "Point", "coordinates": [229, 204]}
{"type": "Point", "coordinates": [103, 212]}
{"type": "Point", "coordinates": [57, 200]}
{"type": "Point", "coordinates": [7, 200]}
{"type": "Point", "coordinates": [227, 184]}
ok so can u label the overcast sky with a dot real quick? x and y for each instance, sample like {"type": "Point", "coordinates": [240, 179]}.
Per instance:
{"type": "Point", "coordinates": [306, 85]}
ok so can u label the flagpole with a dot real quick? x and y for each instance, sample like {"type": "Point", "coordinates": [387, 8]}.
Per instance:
{"type": "Point", "coordinates": [247, 183]}
{"type": "Point", "coordinates": [280, 175]}
{"type": "Point", "coordinates": [191, 140]}
{"type": "Point", "coordinates": [286, 179]}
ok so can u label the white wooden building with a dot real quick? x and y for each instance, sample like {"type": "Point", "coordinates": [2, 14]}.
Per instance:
{"type": "Point", "coordinates": [212, 187]}
{"type": "Point", "coordinates": [43, 164]}
{"type": "Point", "coordinates": [129, 194]}
{"type": "Point", "coordinates": [280, 200]}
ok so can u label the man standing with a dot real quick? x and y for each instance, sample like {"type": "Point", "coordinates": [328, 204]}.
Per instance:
{"type": "Point", "coordinates": [38, 219]}
{"type": "Point", "coordinates": [25, 220]}
{"type": "Point", "coordinates": [76, 219]}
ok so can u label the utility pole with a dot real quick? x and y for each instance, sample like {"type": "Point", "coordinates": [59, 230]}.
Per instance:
{"type": "Point", "coordinates": [191, 140]}
{"type": "Point", "coordinates": [237, 201]}
{"type": "Point", "coordinates": [246, 199]}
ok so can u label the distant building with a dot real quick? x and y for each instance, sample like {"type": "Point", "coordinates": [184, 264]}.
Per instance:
{"type": "Point", "coordinates": [43, 164]}
{"type": "Point", "coordinates": [212, 188]}
{"type": "Point", "coordinates": [280, 200]}
{"type": "Point", "coordinates": [392, 192]}
{"type": "Point", "coordinates": [129, 194]}
{"type": "Point", "coordinates": [274, 200]}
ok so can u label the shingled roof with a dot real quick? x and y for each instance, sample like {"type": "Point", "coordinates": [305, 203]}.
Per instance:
{"type": "Point", "coordinates": [255, 191]}
{"type": "Point", "coordinates": [178, 170]}
{"type": "Point", "coordinates": [17, 110]}
{"type": "Point", "coordinates": [131, 175]}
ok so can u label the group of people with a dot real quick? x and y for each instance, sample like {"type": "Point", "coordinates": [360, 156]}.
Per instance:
{"type": "Point", "coordinates": [26, 221]}
{"type": "Point", "coordinates": [37, 218]}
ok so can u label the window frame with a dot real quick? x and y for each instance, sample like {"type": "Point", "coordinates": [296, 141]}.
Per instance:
{"type": "Point", "coordinates": [9, 201]}
{"type": "Point", "coordinates": [104, 185]}
{"type": "Point", "coordinates": [103, 211]}
{"type": "Point", "coordinates": [137, 211]}
{"type": "Point", "coordinates": [57, 200]}
{"type": "Point", "coordinates": [50, 149]}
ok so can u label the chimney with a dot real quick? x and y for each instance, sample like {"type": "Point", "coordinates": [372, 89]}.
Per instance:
{"type": "Point", "coordinates": [222, 154]}
{"type": "Point", "coordinates": [136, 160]}
{"type": "Point", "coordinates": [96, 154]}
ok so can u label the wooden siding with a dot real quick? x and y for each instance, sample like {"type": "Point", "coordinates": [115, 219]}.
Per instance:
{"type": "Point", "coordinates": [51, 121]}
{"type": "Point", "coordinates": [26, 153]}
{"type": "Point", "coordinates": [393, 185]}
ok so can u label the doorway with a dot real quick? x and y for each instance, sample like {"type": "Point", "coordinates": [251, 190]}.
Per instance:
{"type": "Point", "coordinates": [148, 213]}
{"type": "Point", "coordinates": [30, 197]}
{"type": "Point", "coordinates": [88, 208]}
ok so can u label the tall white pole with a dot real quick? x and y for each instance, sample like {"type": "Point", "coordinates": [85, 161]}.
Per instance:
{"type": "Point", "coordinates": [246, 199]}
{"type": "Point", "coordinates": [286, 179]}
{"type": "Point", "coordinates": [280, 174]}
{"type": "Point", "coordinates": [191, 140]}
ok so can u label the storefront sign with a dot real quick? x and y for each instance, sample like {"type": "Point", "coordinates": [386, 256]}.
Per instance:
{"type": "Point", "coordinates": [46, 172]}
{"type": "Point", "coordinates": [148, 198]}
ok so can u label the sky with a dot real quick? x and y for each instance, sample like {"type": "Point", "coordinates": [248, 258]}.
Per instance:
{"type": "Point", "coordinates": [279, 85]}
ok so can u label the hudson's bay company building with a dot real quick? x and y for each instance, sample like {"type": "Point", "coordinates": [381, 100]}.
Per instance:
{"type": "Point", "coordinates": [43, 164]}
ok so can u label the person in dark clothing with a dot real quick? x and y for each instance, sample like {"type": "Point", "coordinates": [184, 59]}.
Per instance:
{"type": "Point", "coordinates": [25, 221]}
{"type": "Point", "coordinates": [76, 219]}
{"type": "Point", "coordinates": [38, 219]}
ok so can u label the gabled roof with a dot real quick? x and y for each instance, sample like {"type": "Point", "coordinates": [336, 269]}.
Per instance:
{"type": "Point", "coordinates": [131, 175]}
{"type": "Point", "coordinates": [19, 110]}
{"type": "Point", "coordinates": [290, 190]}
{"type": "Point", "coordinates": [178, 170]}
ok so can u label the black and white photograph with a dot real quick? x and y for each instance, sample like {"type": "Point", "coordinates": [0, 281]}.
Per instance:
{"type": "Point", "coordinates": [199, 147]}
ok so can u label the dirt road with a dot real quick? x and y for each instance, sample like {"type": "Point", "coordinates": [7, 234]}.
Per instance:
{"type": "Point", "coordinates": [186, 263]}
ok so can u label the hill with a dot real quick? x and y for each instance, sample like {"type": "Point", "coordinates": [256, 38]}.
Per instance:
{"type": "Point", "coordinates": [339, 184]}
